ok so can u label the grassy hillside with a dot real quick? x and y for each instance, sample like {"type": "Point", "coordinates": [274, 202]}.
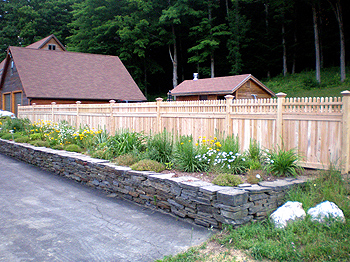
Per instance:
{"type": "Point", "coordinates": [304, 84]}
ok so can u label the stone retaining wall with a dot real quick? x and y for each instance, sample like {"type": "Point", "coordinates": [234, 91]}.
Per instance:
{"type": "Point", "coordinates": [186, 197]}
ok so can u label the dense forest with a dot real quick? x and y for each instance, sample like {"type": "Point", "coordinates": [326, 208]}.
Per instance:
{"type": "Point", "coordinates": [163, 42]}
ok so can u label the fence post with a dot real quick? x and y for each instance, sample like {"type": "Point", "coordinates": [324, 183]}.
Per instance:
{"type": "Point", "coordinates": [33, 113]}
{"type": "Point", "coordinates": [228, 128]}
{"type": "Point", "coordinates": [53, 111]}
{"type": "Point", "coordinates": [111, 117]}
{"type": "Point", "coordinates": [346, 131]}
{"type": "Point", "coordinates": [159, 120]}
{"type": "Point", "coordinates": [78, 117]}
{"type": "Point", "coordinates": [279, 120]}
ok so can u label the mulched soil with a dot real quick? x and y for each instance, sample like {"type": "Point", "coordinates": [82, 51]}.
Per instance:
{"type": "Point", "coordinates": [209, 176]}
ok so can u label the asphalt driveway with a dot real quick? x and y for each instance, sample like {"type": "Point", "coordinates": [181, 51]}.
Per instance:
{"type": "Point", "coordinates": [44, 217]}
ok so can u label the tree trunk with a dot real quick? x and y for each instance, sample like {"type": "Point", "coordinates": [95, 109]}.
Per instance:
{"type": "Point", "coordinates": [174, 58]}
{"type": "Point", "coordinates": [339, 16]}
{"type": "Point", "coordinates": [317, 44]}
{"type": "Point", "coordinates": [285, 69]}
{"type": "Point", "coordinates": [212, 74]}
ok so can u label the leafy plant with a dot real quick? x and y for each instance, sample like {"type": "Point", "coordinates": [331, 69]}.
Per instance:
{"type": "Point", "coordinates": [148, 165]}
{"type": "Point", "coordinates": [281, 162]}
{"type": "Point", "coordinates": [227, 180]}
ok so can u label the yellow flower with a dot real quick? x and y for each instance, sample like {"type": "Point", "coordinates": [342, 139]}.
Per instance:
{"type": "Point", "coordinates": [204, 141]}
{"type": "Point", "coordinates": [215, 138]}
{"type": "Point", "coordinates": [0, 123]}
{"type": "Point", "coordinates": [218, 149]}
{"type": "Point", "coordinates": [204, 137]}
{"type": "Point", "coordinates": [210, 148]}
{"type": "Point", "coordinates": [200, 137]}
{"type": "Point", "coordinates": [196, 144]}
{"type": "Point", "coordinates": [189, 141]}
{"type": "Point", "coordinates": [182, 143]}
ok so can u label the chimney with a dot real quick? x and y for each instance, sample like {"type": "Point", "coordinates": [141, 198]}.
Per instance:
{"type": "Point", "coordinates": [195, 76]}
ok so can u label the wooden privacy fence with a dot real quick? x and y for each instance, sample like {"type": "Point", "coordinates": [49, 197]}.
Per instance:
{"type": "Point", "coordinates": [318, 128]}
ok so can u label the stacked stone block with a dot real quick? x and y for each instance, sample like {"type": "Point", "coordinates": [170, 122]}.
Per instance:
{"type": "Point", "coordinates": [185, 197]}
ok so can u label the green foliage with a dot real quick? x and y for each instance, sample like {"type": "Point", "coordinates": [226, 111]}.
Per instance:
{"type": "Point", "coordinates": [124, 142]}
{"type": "Point", "coordinates": [185, 155]}
{"type": "Point", "coordinates": [58, 147]}
{"type": "Point", "coordinates": [229, 144]}
{"type": "Point", "coordinates": [126, 160]}
{"type": "Point", "coordinates": [227, 180]}
{"type": "Point", "coordinates": [254, 151]}
{"type": "Point", "coordinates": [73, 148]}
{"type": "Point", "coordinates": [15, 124]}
{"type": "Point", "coordinates": [148, 165]}
{"type": "Point", "coordinates": [160, 147]}
{"type": "Point", "coordinates": [303, 240]}
{"type": "Point", "coordinates": [39, 143]}
{"type": "Point", "coordinates": [281, 162]}
{"type": "Point", "coordinates": [22, 139]}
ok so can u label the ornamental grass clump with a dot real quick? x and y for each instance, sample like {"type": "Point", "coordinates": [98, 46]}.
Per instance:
{"type": "Point", "coordinates": [282, 162]}
{"type": "Point", "coordinates": [185, 155]}
{"type": "Point", "coordinates": [160, 147]}
{"type": "Point", "coordinates": [123, 142]}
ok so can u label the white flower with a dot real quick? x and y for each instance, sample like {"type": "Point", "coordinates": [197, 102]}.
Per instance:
{"type": "Point", "coordinates": [258, 176]}
{"type": "Point", "coordinates": [243, 159]}
{"type": "Point", "coordinates": [272, 161]}
{"type": "Point", "coordinates": [238, 154]}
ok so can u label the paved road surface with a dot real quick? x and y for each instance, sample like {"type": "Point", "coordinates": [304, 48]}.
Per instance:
{"type": "Point", "coordinates": [44, 217]}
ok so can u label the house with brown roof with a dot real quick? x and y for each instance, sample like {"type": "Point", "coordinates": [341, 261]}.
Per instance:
{"type": "Point", "coordinates": [240, 86]}
{"type": "Point", "coordinates": [41, 74]}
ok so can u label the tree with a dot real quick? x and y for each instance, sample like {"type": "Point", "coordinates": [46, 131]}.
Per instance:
{"type": "Point", "coordinates": [171, 18]}
{"type": "Point", "coordinates": [238, 28]}
{"type": "Point", "coordinates": [208, 38]}
{"type": "Point", "coordinates": [337, 9]}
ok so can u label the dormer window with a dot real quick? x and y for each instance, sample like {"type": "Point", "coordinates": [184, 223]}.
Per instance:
{"type": "Point", "coordinates": [52, 47]}
{"type": "Point", "coordinates": [13, 67]}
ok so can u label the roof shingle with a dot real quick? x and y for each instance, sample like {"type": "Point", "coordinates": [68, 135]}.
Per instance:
{"type": "Point", "coordinates": [70, 75]}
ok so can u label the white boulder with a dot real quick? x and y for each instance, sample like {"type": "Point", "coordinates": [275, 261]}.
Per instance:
{"type": "Point", "coordinates": [289, 212]}
{"type": "Point", "coordinates": [326, 210]}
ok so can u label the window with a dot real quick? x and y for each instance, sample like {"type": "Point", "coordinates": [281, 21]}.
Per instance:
{"type": "Point", "coordinates": [203, 97]}
{"type": "Point", "coordinates": [7, 102]}
{"type": "Point", "coordinates": [17, 101]}
{"type": "Point", "coordinates": [52, 47]}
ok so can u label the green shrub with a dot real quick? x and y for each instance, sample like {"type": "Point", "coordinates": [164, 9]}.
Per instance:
{"type": "Point", "coordinates": [148, 165]}
{"type": "Point", "coordinates": [11, 136]}
{"type": "Point", "coordinates": [126, 160]}
{"type": "Point", "coordinates": [22, 139]}
{"type": "Point", "coordinates": [227, 180]}
{"type": "Point", "coordinates": [160, 147]}
{"type": "Point", "coordinates": [6, 136]}
{"type": "Point", "coordinates": [58, 147]}
{"type": "Point", "coordinates": [73, 148]}
{"type": "Point", "coordinates": [230, 144]}
{"type": "Point", "coordinates": [36, 136]}
{"type": "Point", "coordinates": [39, 143]}
{"type": "Point", "coordinates": [281, 162]}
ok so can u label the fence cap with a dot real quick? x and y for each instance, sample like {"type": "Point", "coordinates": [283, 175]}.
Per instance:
{"type": "Point", "coordinates": [346, 93]}
{"type": "Point", "coordinates": [112, 101]}
{"type": "Point", "coordinates": [78, 102]}
{"type": "Point", "coordinates": [53, 103]}
{"type": "Point", "coordinates": [229, 97]}
{"type": "Point", "coordinates": [159, 99]}
{"type": "Point", "coordinates": [280, 94]}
